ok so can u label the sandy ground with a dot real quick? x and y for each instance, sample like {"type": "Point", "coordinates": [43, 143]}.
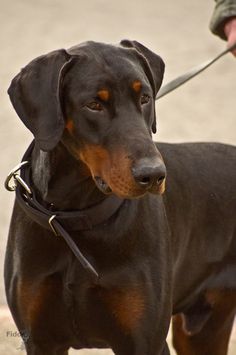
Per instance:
{"type": "Point", "coordinates": [202, 110]}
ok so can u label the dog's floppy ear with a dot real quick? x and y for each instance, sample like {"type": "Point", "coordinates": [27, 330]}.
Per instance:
{"type": "Point", "coordinates": [35, 95]}
{"type": "Point", "coordinates": [153, 66]}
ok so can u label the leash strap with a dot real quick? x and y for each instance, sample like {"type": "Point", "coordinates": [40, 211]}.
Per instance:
{"type": "Point", "coordinates": [174, 84]}
{"type": "Point", "coordinates": [74, 248]}
{"type": "Point", "coordinates": [59, 221]}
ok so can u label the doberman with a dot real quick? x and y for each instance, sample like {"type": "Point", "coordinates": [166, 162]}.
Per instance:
{"type": "Point", "coordinates": [168, 248]}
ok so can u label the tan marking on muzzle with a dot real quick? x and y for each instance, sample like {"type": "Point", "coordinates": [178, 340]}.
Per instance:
{"type": "Point", "coordinates": [95, 157]}
{"type": "Point", "coordinates": [115, 169]}
{"type": "Point", "coordinates": [159, 189]}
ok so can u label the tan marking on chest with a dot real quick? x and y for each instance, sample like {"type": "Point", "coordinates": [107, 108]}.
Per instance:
{"type": "Point", "coordinates": [126, 306]}
{"type": "Point", "coordinates": [33, 301]}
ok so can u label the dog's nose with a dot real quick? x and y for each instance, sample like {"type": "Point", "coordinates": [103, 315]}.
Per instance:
{"type": "Point", "coordinates": [148, 173]}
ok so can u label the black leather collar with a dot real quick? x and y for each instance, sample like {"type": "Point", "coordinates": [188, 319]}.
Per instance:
{"type": "Point", "coordinates": [60, 222]}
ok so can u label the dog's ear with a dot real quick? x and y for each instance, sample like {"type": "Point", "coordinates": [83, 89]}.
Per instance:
{"type": "Point", "coordinates": [153, 65]}
{"type": "Point", "coordinates": [154, 61]}
{"type": "Point", "coordinates": [35, 95]}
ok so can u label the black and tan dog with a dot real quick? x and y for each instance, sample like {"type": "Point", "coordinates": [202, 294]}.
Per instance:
{"type": "Point", "coordinates": [91, 110]}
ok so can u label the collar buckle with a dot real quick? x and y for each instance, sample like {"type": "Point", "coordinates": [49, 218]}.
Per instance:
{"type": "Point", "coordinates": [50, 220]}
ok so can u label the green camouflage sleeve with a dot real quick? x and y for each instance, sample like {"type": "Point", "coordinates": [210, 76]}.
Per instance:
{"type": "Point", "coordinates": [223, 10]}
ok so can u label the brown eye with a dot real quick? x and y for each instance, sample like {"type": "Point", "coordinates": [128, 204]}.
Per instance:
{"type": "Point", "coordinates": [94, 106]}
{"type": "Point", "coordinates": [144, 99]}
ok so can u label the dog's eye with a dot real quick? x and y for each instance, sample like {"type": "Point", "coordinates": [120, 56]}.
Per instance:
{"type": "Point", "coordinates": [94, 106]}
{"type": "Point", "coordinates": [144, 99]}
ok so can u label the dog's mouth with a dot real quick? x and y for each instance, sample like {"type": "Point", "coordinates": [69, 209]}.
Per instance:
{"type": "Point", "coordinates": [102, 185]}
{"type": "Point", "coordinates": [119, 173]}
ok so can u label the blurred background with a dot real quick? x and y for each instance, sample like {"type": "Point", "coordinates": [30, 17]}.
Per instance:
{"type": "Point", "coordinates": [201, 110]}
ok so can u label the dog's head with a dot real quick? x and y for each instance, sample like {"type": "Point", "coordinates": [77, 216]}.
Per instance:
{"type": "Point", "coordinates": [99, 101]}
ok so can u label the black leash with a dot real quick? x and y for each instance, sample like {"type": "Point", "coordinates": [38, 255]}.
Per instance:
{"type": "Point", "coordinates": [59, 222]}
{"type": "Point", "coordinates": [180, 80]}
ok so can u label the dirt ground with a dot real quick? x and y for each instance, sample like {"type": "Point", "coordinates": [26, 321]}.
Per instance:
{"type": "Point", "coordinates": [202, 110]}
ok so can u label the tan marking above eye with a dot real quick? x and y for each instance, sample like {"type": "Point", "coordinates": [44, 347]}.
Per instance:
{"type": "Point", "coordinates": [103, 95]}
{"type": "Point", "coordinates": [137, 85]}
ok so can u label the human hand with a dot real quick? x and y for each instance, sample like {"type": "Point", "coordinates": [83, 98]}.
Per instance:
{"type": "Point", "coordinates": [230, 32]}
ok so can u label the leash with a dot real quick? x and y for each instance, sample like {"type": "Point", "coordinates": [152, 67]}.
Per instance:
{"type": "Point", "coordinates": [59, 222]}
{"type": "Point", "coordinates": [182, 79]}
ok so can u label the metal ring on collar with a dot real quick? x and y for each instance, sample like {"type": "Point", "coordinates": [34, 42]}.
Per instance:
{"type": "Point", "coordinates": [16, 179]}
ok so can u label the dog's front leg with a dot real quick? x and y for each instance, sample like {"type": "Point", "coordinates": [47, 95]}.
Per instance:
{"type": "Point", "coordinates": [141, 328]}
{"type": "Point", "coordinates": [140, 346]}
{"type": "Point", "coordinates": [35, 349]}
{"type": "Point", "coordinates": [40, 316]}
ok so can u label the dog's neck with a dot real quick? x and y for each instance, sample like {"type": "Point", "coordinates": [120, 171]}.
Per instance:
{"type": "Point", "coordinates": [63, 181]}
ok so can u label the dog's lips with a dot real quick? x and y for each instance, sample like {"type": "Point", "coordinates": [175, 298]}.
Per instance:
{"type": "Point", "coordinates": [158, 189]}
{"type": "Point", "coordinates": [102, 185]}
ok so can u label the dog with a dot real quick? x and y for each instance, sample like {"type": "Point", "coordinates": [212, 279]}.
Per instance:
{"type": "Point", "coordinates": [157, 236]}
